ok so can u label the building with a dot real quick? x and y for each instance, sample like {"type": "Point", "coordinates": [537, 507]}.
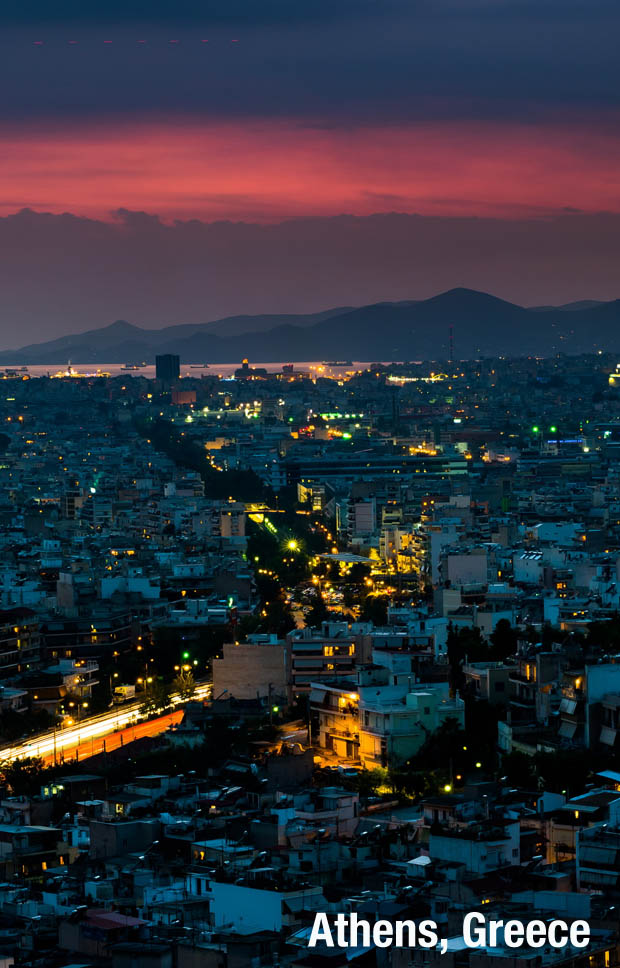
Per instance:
{"type": "Point", "coordinates": [256, 669]}
{"type": "Point", "coordinates": [488, 681]}
{"type": "Point", "coordinates": [333, 650]}
{"type": "Point", "coordinates": [20, 642]}
{"type": "Point", "coordinates": [167, 367]}
{"type": "Point", "coordinates": [379, 725]}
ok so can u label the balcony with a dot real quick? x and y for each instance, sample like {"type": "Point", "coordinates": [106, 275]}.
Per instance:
{"type": "Point", "coordinates": [342, 733]}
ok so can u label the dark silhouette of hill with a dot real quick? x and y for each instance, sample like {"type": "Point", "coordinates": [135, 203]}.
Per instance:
{"type": "Point", "coordinates": [571, 306]}
{"type": "Point", "coordinates": [482, 325]}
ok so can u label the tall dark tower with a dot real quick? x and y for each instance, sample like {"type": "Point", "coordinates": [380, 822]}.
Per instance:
{"type": "Point", "coordinates": [167, 367]}
{"type": "Point", "coordinates": [395, 410]}
{"type": "Point", "coordinates": [451, 358]}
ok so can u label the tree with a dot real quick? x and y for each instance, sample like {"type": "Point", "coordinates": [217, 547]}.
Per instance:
{"type": "Point", "coordinates": [503, 640]}
{"type": "Point", "coordinates": [464, 644]}
{"type": "Point", "coordinates": [519, 770]}
{"type": "Point", "coordinates": [444, 745]}
{"type": "Point", "coordinates": [184, 683]}
{"type": "Point", "coordinates": [605, 634]}
{"type": "Point", "coordinates": [24, 775]}
{"type": "Point", "coordinates": [156, 698]}
{"type": "Point", "coordinates": [375, 609]}
{"type": "Point", "coordinates": [242, 485]}
{"type": "Point", "coordinates": [318, 611]}
{"type": "Point", "coordinates": [368, 782]}
{"type": "Point", "coordinates": [358, 573]}
{"type": "Point", "coordinates": [568, 770]}
{"type": "Point", "coordinates": [14, 725]}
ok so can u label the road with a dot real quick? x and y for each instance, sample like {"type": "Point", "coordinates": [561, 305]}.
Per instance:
{"type": "Point", "coordinates": [113, 741]}
{"type": "Point", "coordinates": [90, 733]}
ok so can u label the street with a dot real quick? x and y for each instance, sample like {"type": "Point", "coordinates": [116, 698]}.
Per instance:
{"type": "Point", "coordinates": [87, 737]}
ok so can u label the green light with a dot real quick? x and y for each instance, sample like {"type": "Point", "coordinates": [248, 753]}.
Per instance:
{"type": "Point", "coordinates": [276, 709]}
{"type": "Point", "coordinates": [553, 428]}
{"type": "Point", "coordinates": [346, 436]}
{"type": "Point", "coordinates": [186, 655]}
{"type": "Point", "coordinates": [535, 429]}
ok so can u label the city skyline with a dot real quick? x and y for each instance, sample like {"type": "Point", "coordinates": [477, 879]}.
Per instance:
{"type": "Point", "coordinates": [309, 484]}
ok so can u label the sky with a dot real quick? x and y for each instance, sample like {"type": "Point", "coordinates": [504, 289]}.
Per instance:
{"type": "Point", "coordinates": [178, 161]}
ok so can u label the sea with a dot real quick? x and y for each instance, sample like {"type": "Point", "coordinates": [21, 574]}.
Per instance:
{"type": "Point", "coordinates": [224, 370]}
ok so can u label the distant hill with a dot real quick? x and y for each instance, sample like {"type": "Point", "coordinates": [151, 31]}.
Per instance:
{"type": "Point", "coordinates": [570, 307]}
{"type": "Point", "coordinates": [482, 325]}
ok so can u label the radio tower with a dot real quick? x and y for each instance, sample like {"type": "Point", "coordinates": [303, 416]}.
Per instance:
{"type": "Point", "coordinates": [452, 344]}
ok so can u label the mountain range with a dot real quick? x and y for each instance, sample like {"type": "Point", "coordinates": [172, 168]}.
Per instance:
{"type": "Point", "coordinates": [416, 329]}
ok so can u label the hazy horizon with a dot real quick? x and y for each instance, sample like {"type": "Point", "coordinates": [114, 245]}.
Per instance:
{"type": "Point", "coordinates": [159, 274]}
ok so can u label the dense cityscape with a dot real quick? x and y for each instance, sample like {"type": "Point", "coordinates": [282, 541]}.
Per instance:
{"type": "Point", "coordinates": [304, 638]}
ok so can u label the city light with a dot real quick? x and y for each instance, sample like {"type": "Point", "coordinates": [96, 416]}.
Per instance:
{"type": "Point", "coordinates": [235, 689]}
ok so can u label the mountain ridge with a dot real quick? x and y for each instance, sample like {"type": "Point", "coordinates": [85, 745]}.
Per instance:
{"type": "Point", "coordinates": [481, 324]}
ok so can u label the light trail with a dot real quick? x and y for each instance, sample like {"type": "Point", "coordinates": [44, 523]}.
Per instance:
{"type": "Point", "coordinates": [59, 740]}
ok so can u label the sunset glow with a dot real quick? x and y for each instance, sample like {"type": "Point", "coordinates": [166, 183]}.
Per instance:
{"type": "Point", "coordinates": [269, 170]}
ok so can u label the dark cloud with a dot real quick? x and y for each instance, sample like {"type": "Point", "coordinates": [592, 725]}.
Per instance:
{"type": "Point", "coordinates": [337, 61]}
{"type": "Point", "coordinates": [61, 273]}
{"type": "Point", "coordinates": [199, 12]}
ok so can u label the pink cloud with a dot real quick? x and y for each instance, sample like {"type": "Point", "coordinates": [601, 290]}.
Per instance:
{"type": "Point", "coordinates": [273, 170]}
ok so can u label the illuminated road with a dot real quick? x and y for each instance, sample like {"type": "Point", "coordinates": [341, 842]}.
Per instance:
{"type": "Point", "coordinates": [87, 737]}
{"type": "Point", "coordinates": [115, 740]}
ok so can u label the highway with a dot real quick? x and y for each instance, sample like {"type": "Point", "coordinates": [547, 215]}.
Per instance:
{"type": "Point", "coordinates": [126, 720]}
